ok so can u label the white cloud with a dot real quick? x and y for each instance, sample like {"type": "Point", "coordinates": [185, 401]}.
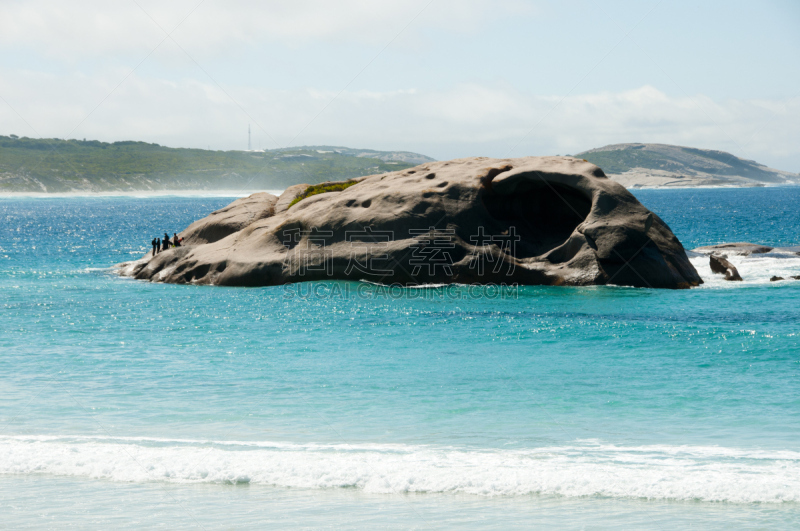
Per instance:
{"type": "Point", "coordinates": [75, 54]}
{"type": "Point", "coordinates": [93, 28]}
{"type": "Point", "coordinates": [463, 120]}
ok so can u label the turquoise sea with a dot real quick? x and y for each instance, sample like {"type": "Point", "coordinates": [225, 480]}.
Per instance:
{"type": "Point", "coordinates": [128, 405]}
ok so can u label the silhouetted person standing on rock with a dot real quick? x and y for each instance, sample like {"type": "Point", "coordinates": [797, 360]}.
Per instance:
{"type": "Point", "coordinates": [176, 242]}
{"type": "Point", "coordinates": [154, 243]}
{"type": "Point", "coordinates": [165, 242]}
{"type": "Point", "coordinates": [158, 244]}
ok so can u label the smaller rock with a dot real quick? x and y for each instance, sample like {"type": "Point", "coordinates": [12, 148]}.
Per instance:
{"type": "Point", "coordinates": [288, 195]}
{"type": "Point", "coordinates": [720, 265]}
{"type": "Point", "coordinates": [775, 279]}
{"type": "Point", "coordinates": [738, 248]}
{"type": "Point", "coordinates": [230, 219]}
{"type": "Point", "coordinates": [796, 277]}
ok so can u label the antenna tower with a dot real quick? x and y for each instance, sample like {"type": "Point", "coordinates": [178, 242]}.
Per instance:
{"type": "Point", "coordinates": [249, 147]}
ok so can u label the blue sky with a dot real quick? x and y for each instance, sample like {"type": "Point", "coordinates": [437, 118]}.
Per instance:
{"type": "Point", "coordinates": [444, 78]}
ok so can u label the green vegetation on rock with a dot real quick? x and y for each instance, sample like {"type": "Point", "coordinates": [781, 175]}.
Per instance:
{"type": "Point", "coordinates": [54, 165]}
{"type": "Point", "coordinates": [321, 189]}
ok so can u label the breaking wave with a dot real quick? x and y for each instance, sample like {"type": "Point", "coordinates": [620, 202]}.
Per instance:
{"type": "Point", "coordinates": [703, 473]}
{"type": "Point", "coordinates": [754, 269]}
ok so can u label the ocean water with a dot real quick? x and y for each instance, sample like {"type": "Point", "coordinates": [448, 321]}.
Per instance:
{"type": "Point", "coordinates": [126, 404]}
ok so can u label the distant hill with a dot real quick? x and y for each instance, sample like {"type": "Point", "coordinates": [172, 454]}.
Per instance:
{"type": "Point", "coordinates": [637, 165]}
{"type": "Point", "coordinates": [54, 165]}
{"type": "Point", "coordinates": [386, 156]}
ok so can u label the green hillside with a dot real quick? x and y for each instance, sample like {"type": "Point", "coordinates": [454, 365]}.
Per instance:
{"type": "Point", "coordinates": [54, 165]}
{"type": "Point", "coordinates": [620, 161]}
{"type": "Point", "coordinates": [683, 162]}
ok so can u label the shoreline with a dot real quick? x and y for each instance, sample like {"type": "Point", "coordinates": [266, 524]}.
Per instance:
{"type": "Point", "coordinates": [143, 194]}
{"type": "Point", "coordinates": [706, 186]}
{"type": "Point", "coordinates": [702, 187]}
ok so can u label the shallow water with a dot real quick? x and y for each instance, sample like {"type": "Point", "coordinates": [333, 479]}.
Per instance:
{"type": "Point", "coordinates": [130, 404]}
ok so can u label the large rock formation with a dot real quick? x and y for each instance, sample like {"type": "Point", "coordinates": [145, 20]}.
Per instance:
{"type": "Point", "coordinates": [532, 220]}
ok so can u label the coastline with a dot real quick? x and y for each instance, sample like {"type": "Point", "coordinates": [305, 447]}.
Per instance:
{"type": "Point", "coordinates": [143, 194]}
{"type": "Point", "coordinates": [703, 186]}
{"type": "Point", "coordinates": [644, 184]}
{"type": "Point", "coordinates": [650, 182]}
{"type": "Point", "coordinates": [244, 193]}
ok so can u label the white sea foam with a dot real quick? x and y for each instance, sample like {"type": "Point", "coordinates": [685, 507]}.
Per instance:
{"type": "Point", "coordinates": [754, 269]}
{"type": "Point", "coordinates": [584, 469]}
{"type": "Point", "coordinates": [124, 269]}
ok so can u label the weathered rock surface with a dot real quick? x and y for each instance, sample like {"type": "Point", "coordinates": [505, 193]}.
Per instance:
{"type": "Point", "coordinates": [532, 220]}
{"type": "Point", "coordinates": [719, 264]}
{"type": "Point", "coordinates": [230, 219]}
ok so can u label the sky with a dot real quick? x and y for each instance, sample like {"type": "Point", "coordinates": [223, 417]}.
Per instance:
{"type": "Point", "coordinates": [446, 78]}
